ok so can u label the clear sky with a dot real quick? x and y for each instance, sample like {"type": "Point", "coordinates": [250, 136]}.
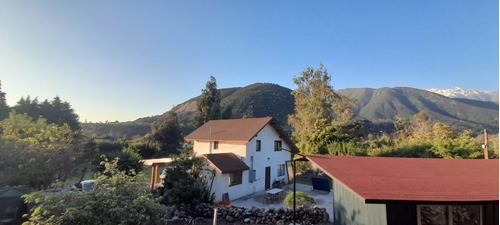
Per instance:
{"type": "Point", "coordinates": [121, 60]}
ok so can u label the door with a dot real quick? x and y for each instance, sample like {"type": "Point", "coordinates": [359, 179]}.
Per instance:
{"type": "Point", "coordinates": [268, 177]}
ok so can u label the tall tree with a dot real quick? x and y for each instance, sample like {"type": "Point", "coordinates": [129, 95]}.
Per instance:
{"type": "Point", "coordinates": [320, 112]}
{"type": "Point", "coordinates": [4, 108]}
{"type": "Point", "coordinates": [208, 105]}
{"type": "Point", "coordinates": [167, 136]}
{"type": "Point", "coordinates": [61, 113]}
{"type": "Point", "coordinates": [55, 111]}
{"type": "Point", "coordinates": [421, 126]}
{"type": "Point", "coordinates": [36, 153]}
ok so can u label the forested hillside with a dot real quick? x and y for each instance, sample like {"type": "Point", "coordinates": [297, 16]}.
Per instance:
{"type": "Point", "coordinates": [386, 104]}
{"type": "Point", "coordinates": [376, 107]}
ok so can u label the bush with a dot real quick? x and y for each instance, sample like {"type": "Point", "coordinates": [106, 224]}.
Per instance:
{"type": "Point", "coordinates": [301, 199]}
{"type": "Point", "coordinates": [116, 199]}
{"type": "Point", "coordinates": [186, 181]}
{"type": "Point", "coordinates": [128, 160]}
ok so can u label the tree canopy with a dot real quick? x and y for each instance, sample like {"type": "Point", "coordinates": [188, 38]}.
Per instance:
{"type": "Point", "coordinates": [167, 136]}
{"type": "Point", "coordinates": [321, 115]}
{"type": "Point", "coordinates": [55, 111]}
{"type": "Point", "coordinates": [208, 105]}
{"type": "Point", "coordinates": [4, 108]}
{"type": "Point", "coordinates": [37, 154]}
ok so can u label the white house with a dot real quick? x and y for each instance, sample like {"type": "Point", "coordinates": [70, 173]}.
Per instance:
{"type": "Point", "coordinates": [246, 154]}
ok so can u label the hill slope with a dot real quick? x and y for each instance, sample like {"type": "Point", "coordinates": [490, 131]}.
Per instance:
{"type": "Point", "coordinates": [385, 104]}
{"type": "Point", "coordinates": [256, 100]}
{"type": "Point", "coordinates": [377, 107]}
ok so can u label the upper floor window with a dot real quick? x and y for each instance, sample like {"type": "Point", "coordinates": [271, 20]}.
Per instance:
{"type": "Point", "coordinates": [277, 145]}
{"type": "Point", "coordinates": [257, 145]}
{"type": "Point", "coordinates": [216, 145]}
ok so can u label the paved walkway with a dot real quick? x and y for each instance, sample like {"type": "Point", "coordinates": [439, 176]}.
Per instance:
{"type": "Point", "coordinates": [323, 199]}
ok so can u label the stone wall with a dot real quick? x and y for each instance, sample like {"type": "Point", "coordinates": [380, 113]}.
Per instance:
{"type": "Point", "coordinates": [254, 215]}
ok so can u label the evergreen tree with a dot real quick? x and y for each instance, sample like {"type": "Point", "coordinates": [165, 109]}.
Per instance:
{"type": "Point", "coordinates": [208, 105]}
{"type": "Point", "coordinates": [4, 108]}
{"type": "Point", "coordinates": [320, 113]}
{"type": "Point", "coordinates": [28, 106]}
{"type": "Point", "coordinates": [167, 136]}
{"type": "Point", "coordinates": [55, 111]}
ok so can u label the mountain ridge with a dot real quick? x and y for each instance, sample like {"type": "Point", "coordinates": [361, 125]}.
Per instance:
{"type": "Point", "coordinates": [377, 108]}
{"type": "Point", "coordinates": [458, 92]}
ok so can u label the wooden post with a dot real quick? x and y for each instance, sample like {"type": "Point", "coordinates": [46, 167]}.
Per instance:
{"type": "Point", "coordinates": [157, 167]}
{"type": "Point", "coordinates": [152, 184]}
{"type": "Point", "coordinates": [485, 144]}
{"type": "Point", "coordinates": [215, 216]}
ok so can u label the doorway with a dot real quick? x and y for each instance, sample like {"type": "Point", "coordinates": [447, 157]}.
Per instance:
{"type": "Point", "coordinates": [268, 177]}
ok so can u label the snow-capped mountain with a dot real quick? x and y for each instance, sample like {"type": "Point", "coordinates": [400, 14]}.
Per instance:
{"type": "Point", "coordinates": [456, 92]}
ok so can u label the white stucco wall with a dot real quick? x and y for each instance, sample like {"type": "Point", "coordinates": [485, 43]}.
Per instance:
{"type": "Point", "coordinates": [253, 159]}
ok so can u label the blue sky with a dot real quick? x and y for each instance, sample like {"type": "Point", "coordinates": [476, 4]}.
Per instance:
{"type": "Point", "coordinates": [121, 60]}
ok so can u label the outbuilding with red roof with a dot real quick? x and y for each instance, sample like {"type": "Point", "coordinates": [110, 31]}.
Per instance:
{"type": "Point", "coordinates": [413, 191]}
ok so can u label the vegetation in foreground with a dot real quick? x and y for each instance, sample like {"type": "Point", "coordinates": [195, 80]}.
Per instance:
{"type": "Point", "coordinates": [116, 198]}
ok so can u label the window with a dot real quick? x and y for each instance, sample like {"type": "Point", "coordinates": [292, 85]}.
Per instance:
{"type": "Point", "coordinates": [257, 146]}
{"type": "Point", "coordinates": [281, 170]}
{"type": "Point", "coordinates": [235, 178]}
{"type": "Point", "coordinates": [216, 145]}
{"type": "Point", "coordinates": [449, 214]}
{"type": "Point", "coordinates": [277, 145]}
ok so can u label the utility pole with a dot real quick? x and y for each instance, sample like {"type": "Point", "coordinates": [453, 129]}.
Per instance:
{"type": "Point", "coordinates": [485, 146]}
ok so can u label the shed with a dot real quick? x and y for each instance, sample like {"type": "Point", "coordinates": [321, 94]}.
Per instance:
{"type": "Point", "coordinates": [413, 191]}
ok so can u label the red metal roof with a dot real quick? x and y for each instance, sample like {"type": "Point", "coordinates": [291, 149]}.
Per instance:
{"type": "Point", "coordinates": [384, 179]}
{"type": "Point", "coordinates": [237, 130]}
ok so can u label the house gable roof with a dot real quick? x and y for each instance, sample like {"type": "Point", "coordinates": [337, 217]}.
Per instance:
{"type": "Point", "coordinates": [237, 130]}
{"type": "Point", "coordinates": [226, 162]}
{"type": "Point", "coordinates": [382, 180]}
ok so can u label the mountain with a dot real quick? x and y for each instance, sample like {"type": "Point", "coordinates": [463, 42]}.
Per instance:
{"type": "Point", "coordinates": [456, 92]}
{"type": "Point", "coordinates": [376, 107]}
{"type": "Point", "coordinates": [382, 106]}
{"type": "Point", "coordinates": [256, 100]}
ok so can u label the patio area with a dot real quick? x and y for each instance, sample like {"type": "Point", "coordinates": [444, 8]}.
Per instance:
{"type": "Point", "coordinates": [323, 199]}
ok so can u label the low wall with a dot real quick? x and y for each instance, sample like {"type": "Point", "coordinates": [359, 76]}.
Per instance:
{"type": "Point", "coordinates": [254, 215]}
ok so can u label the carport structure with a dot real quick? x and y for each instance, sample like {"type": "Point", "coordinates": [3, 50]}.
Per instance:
{"type": "Point", "coordinates": [155, 167]}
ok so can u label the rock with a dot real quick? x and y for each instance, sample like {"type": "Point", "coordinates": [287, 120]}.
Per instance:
{"type": "Point", "coordinates": [246, 220]}
{"type": "Point", "coordinates": [229, 218]}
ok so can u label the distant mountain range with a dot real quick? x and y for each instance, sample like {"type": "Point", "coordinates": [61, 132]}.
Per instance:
{"type": "Point", "coordinates": [382, 106]}
{"type": "Point", "coordinates": [456, 92]}
{"type": "Point", "coordinates": [376, 107]}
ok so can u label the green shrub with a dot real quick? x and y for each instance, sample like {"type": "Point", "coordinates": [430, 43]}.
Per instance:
{"type": "Point", "coordinates": [129, 161]}
{"type": "Point", "coordinates": [301, 199]}
{"type": "Point", "coordinates": [116, 199]}
{"type": "Point", "coordinates": [186, 181]}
